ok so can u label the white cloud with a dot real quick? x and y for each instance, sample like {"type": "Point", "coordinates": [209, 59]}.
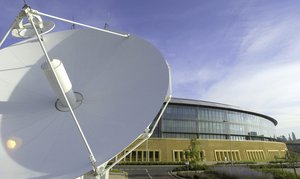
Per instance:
{"type": "Point", "coordinates": [191, 81]}
{"type": "Point", "coordinates": [262, 37]}
{"type": "Point", "coordinates": [266, 79]}
{"type": "Point", "coordinates": [259, 86]}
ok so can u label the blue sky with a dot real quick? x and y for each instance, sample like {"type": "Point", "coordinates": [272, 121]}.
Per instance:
{"type": "Point", "coordinates": [244, 53]}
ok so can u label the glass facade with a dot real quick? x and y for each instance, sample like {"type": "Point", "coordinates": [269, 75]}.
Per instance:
{"type": "Point", "coordinates": [192, 121]}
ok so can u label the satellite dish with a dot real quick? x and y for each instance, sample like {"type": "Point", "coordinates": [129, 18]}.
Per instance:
{"type": "Point", "coordinates": [123, 83]}
{"type": "Point", "coordinates": [27, 31]}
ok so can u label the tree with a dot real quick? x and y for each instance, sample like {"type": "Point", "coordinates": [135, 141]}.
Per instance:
{"type": "Point", "coordinates": [294, 136]}
{"type": "Point", "coordinates": [290, 139]}
{"type": "Point", "coordinates": [192, 153]}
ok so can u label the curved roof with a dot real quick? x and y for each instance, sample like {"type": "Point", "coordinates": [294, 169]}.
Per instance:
{"type": "Point", "coordinates": [219, 106]}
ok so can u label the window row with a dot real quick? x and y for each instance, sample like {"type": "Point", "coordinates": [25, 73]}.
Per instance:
{"type": "Point", "coordinates": [255, 155]}
{"type": "Point", "coordinates": [182, 112]}
{"type": "Point", "coordinates": [143, 156]}
{"type": "Point", "coordinates": [227, 155]}
{"type": "Point", "coordinates": [189, 126]}
{"type": "Point", "coordinates": [213, 136]}
{"type": "Point", "coordinates": [183, 156]}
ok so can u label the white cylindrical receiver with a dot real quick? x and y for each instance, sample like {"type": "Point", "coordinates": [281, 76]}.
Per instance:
{"type": "Point", "coordinates": [63, 79]}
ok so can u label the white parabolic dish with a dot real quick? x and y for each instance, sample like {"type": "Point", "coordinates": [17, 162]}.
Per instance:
{"type": "Point", "coordinates": [124, 82]}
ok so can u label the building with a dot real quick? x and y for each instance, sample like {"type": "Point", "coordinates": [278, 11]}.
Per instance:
{"type": "Point", "coordinates": [224, 132]}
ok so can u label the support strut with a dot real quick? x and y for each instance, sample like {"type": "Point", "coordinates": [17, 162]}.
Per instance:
{"type": "Point", "coordinates": [29, 15]}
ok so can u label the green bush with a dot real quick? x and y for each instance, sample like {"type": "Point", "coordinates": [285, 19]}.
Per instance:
{"type": "Point", "coordinates": [151, 163]}
{"type": "Point", "coordinates": [185, 174]}
{"type": "Point", "coordinates": [237, 162]}
{"type": "Point", "coordinates": [245, 162]}
{"type": "Point", "coordinates": [279, 174]}
{"type": "Point", "coordinates": [239, 172]}
{"type": "Point", "coordinates": [192, 167]}
{"type": "Point", "coordinates": [198, 167]}
{"type": "Point", "coordinates": [269, 166]}
{"type": "Point", "coordinates": [278, 161]}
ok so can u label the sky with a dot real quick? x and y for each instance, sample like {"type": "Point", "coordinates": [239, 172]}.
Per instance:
{"type": "Point", "coordinates": [244, 53]}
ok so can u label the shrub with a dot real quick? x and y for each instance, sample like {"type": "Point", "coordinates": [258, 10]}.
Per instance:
{"type": "Point", "coordinates": [198, 167]}
{"type": "Point", "coordinates": [151, 163]}
{"type": "Point", "coordinates": [236, 162]}
{"type": "Point", "coordinates": [236, 172]}
{"type": "Point", "coordinates": [278, 161]}
{"type": "Point", "coordinates": [279, 174]}
{"type": "Point", "coordinates": [193, 167]}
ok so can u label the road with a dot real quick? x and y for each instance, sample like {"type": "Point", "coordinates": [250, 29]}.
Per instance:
{"type": "Point", "coordinates": [147, 171]}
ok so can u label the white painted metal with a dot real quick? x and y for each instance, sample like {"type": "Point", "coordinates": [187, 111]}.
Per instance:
{"type": "Point", "coordinates": [21, 30]}
{"type": "Point", "coordinates": [60, 85]}
{"type": "Point", "coordinates": [144, 137]}
{"type": "Point", "coordinates": [77, 23]}
{"type": "Point", "coordinates": [148, 132]}
{"type": "Point", "coordinates": [7, 33]}
{"type": "Point", "coordinates": [64, 81]}
{"type": "Point", "coordinates": [27, 31]}
{"type": "Point", "coordinates": [15, 23]}
{"type": "Point", "coordinates": [114, 74]}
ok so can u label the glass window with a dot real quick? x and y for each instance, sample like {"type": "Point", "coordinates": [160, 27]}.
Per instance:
{"type": "Point", "coordinates": [182, 121]}
{"type": "Point", "coordinates": [133, 156]}
{"type": "Point", "coordinates": [151, 156]}
{"type": "Point", "coordinates": [139, 156]}
{"type": "Point", "coordinates": [156, 156]}
{"type": "Point", "coordinates": [145, 155]}
{"type": "Point", "coordinates": [127, 158]}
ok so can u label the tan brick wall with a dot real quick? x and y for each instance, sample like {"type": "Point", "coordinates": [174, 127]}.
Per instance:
{"type": "Point", "coordinates": [166, 147]}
